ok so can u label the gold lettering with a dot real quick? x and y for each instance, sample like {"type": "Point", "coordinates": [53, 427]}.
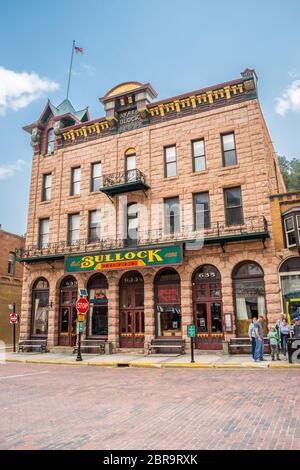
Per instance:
{"type": "Point", "coordinates": [129, 255]}
{"type": "Point", "coordinates": [119, 257]}
{"type": "Point", "coordinates": [142, 254]}
{"type": "Point", "coordinates": [154, 254]}
{"type": "Point", "coordinates": [87, 262]}
{"type": "Point", "coordinates": [99, 258]}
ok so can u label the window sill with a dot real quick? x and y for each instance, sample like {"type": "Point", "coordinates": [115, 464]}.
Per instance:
{"type": "Point", "coordinates": [45, 202]}
{"type": "Point", "coordinates": [171, 178]}
{"type": "Point", "coordinates": [226, 168]}
{"type": "Point", "coordinates": [200, 172]}
{"type": "Point", "coordinates": [74, 196]}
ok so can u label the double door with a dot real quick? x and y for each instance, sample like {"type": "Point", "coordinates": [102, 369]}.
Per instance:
{"type": "Point", "coordinates": [132, 327]}
{"type": "Point", "coordinates": [67, 318]}
{"type": "Point", "coordinates": [208, 316]}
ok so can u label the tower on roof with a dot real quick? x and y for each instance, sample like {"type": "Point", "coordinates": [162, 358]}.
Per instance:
{"type": "Point", "coordinates": [53, 119]}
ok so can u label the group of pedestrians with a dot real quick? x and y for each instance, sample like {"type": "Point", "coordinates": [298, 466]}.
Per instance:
{"type": "Point", "coordinates": [277, 336]}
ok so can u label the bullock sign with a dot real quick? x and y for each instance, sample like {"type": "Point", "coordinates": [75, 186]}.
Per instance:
{"type": "Point", "coordinates": [135, 258]}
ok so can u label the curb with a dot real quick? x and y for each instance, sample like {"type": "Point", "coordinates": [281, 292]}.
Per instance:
{"type": "Point", "coordinates": [162, 365]}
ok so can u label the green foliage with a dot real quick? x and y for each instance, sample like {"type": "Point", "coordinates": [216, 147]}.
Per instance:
{"type": "Point", "coordinates": [291, 172]}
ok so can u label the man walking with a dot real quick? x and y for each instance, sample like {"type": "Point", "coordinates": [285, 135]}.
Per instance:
{"type": "Point", "coordinates": [252, 335]}
{"type": "Point", "coordinates": [259, 339]}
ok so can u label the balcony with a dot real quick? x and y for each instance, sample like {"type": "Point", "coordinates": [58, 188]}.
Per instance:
{"type": "Point", "coordinates": [254, 228]}
{"type": "Point", "coordinates": [118, 183]}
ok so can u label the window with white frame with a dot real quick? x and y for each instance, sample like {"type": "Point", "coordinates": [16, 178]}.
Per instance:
{"type": "Point", "coordinates": [290, 231]}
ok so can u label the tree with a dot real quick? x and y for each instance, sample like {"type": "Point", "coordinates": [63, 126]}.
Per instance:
{"type": "Point", "coordinates": [291, 172]}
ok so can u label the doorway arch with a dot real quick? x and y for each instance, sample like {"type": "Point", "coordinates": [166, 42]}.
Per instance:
{"type": "Point", "coordinates": [131, 308]}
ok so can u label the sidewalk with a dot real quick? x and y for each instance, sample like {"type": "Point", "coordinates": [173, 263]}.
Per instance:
{"type": "Point", "coordinates": [202, 360]}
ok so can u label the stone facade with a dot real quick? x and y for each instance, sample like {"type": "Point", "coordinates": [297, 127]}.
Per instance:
{"type": "Point", "coordinates": [10, 283]}
{"type": "Point", "coordinates": [256, 172]}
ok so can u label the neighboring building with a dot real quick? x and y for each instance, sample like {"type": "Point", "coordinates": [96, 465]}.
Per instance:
{"type": "Point", "coordinates": [117, 204]}
{"type": "Point", "coordinates": [11, 274]}
{"type": "Point", "coordinates": [285, 209]}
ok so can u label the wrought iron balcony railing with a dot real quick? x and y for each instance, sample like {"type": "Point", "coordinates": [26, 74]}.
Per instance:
{"type": "Point", "coordinates": [127, 181]}
{"type": "Point", "coordinates": [253, 228]}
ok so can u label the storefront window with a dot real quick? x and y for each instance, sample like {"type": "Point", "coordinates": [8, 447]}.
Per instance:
{"type": "Point", "coordinates": [290, 287]}
{"type": "Point", "coordinates": [168, 304]}
{"type": "Point", "coordinates": [98, 313]}
{"type": "Point", "coordinates": [249, 295]}
{"type": "Point", "coordinates": [40, 307]}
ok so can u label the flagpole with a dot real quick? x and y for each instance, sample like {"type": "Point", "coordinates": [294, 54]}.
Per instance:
{"type": "Point", "coordinates": [70, 71]}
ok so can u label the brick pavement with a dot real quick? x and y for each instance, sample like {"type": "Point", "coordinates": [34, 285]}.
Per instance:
{"type": "Point", "coordinates": [67, 407]}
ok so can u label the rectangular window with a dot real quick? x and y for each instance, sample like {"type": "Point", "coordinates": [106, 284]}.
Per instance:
{"type": "Point", "coordinates": [94, 225]}
{"type": "Point", "coordinates": [171, 215]}
{"type": "Point", "coordinates": [228, 149]}
{"type": "Point", "coordinates": [170, 161]}
{"type": "Point", "coordinates": [130, 168]}
{"type": "Point", "coordinates": [74, 229]}
{"type": "Point", "coordinates": [44, 233]}
{"type": "Point", "coordinates": [201, 211]}
{"type": "Point", "coordinates": [75, 181]}
{"type": "Point", "coordinates": [47, 182]}
{"type": "Point", "coordinates": [96, 174]}
{"type": "Point", "coordinates": [233, 206]}
{"type": "Point", "coordinates": [11, 264]}
{"type": "Point", "coordinates": [290, 232]}
{"type": "Point", "coordinates": [198, 153]}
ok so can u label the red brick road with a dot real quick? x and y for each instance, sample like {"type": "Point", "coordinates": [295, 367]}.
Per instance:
{"type": "Point", "coordinates": [79, 407]}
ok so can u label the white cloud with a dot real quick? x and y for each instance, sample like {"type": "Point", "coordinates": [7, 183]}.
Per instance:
{"type": "Point", "coordinates": [19, 89]}
{"type": "Point", "coordinates": [289, 100]}
{"type": "Point", "coordinates": [7, 171]}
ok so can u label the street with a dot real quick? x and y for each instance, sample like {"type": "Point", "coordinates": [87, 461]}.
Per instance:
{"type": "Point", "coordinates": [71, 407]}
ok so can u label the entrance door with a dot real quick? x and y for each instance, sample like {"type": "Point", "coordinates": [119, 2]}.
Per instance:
{"type": "Point", "coordinates": [67, 312]}
{"type": "Point", "coordinates": [207, 301]}
{"type": "Point", "coordinates": [68, 319]}
{"type": "Point", "coordinates": [208, 320]}
{"type": "Point", "coordinates": [132, 328]}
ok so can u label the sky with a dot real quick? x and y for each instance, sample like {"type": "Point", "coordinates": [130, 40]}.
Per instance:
{"type": "Point", "coordinates": [176, 45]}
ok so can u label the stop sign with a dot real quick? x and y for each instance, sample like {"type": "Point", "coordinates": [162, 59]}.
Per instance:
{"type": "Point", "coordinates": [13, 317]}
{"type": "Point", "coordinates": [82, 305]}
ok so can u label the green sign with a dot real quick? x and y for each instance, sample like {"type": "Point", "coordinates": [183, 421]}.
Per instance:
{"type": "Point", "coordinates": [191, 331]}
{"type": "Point", "coordinates": [80, 326]}
{"type": "Point", "coordinates": [135, 258]}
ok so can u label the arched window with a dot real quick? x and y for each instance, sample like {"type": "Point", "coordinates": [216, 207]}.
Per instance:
{"type": "Point", "coordinates": [249, 294]}
{"type": "Point", "coordinates": [40, 307]}
{"type": "Point", "coordinates": [167, 303]}
{"type": "Point", "coordinates": [132, 224]}
{"type": "Point", "coordinates": [98, 312]}
{"type": "Point", "coordinates": [50, 141]}
{"type": "Point", "coordinates": [130, 164]}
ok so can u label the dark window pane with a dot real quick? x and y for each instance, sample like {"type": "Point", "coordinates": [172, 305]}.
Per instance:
{"type": "Point", "coordinates": [230, 158]}
{"type": "Point", "coordinates": [201, 211]}
{"type": "Point", "coordinates": [233, 197]}
{"type": "Point", "coordinates": [235, 216]}
{"type": "Point", "coordinates": [172, 218]}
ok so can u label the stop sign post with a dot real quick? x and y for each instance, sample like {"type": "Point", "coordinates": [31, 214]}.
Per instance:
{"type": "Point", "coordinates": [82, 306]}
{"type": "Point", "coordinates": [13, 319]}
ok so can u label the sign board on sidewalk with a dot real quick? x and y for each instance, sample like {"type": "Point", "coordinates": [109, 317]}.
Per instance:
{"type": "Point", "coordinates": [191, 331]}
{"type": "Point", "coordinates": [82, 305]}
{"type": "Point", "coordinates": [13, 318]}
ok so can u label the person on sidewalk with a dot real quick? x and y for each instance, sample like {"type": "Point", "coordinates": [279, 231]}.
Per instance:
{"type": "Point", "coordinates": [259, 339]}
{"type": "Point", "coordinates": [274, 343]}
{"type": "Point", "coordinates": [279, 321]}
{"type": "Point", "coordinates": [285, 333]}
{"type": "Point", "coordinates": [296, 329]}
{"type": "Point", "coordinates": [252, 335]}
